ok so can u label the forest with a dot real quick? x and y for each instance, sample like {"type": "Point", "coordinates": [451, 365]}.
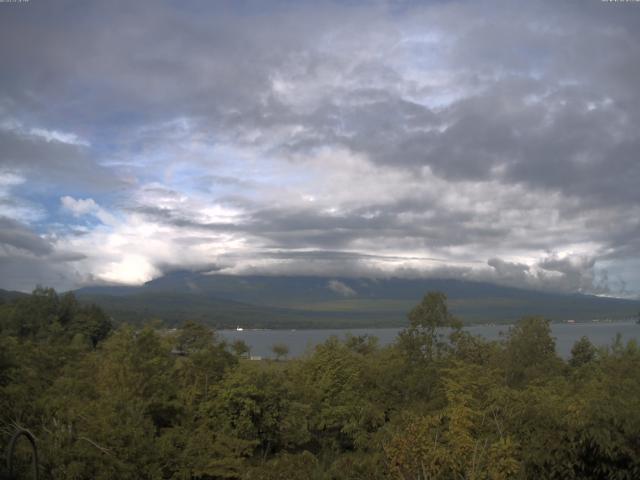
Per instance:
{"type": "Point", "coordinates": [118, 402]}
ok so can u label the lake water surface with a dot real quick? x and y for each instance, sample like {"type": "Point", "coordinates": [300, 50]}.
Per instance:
{"type": "Point", "coordinates": [300, 341]}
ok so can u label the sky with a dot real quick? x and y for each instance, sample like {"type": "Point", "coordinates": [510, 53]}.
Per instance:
{"type": "Point", "coordinates": [481, 140]}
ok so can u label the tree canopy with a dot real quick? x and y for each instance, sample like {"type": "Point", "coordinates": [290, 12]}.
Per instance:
{"type": "Point", "coordinates": [439, 403]}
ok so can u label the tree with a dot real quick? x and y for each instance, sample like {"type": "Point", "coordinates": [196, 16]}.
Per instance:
{"type": "Point", "coordinates": [465, 439]}
{"type": "Point", "coordinates": [68, 308]}
{"type": "Point", "coordinates": [582, 352]}
{"type": "Point", "coordinates": [255, 403]}
{"type": "Point", "coordinates": [240, 348]}
{"type": "Point", "coordinates": [92, 323]}
{"type": "Point", "coordinates": [424, 339]}
{"type": "Point", "coordinates": [44, 316]}
{"type": "Point", "coordinates": [530, 351]}
{"type": "Point", "coordinates": [300, 466]}
{"type": "Point", "coordinates": [280, 350]}
{"type": "Point", "coordinates": [364, 344]}
{"type": "Point", "coordinates": [333, 383]}
{"type": "Point", "coordinates": [32, 316]}
{"type": "Point", "coordinates": [105, 419]}
{"type": "Point", "coordinates": [193, 337]}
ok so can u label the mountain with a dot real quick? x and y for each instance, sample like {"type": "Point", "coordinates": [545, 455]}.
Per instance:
{"type": "Point", "coordinates": [324, 302]}
{"type": "Point", "coordinates": [10, 295]}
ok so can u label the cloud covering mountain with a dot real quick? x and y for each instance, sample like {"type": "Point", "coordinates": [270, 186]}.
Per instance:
{"type": "Point", "coordinates": [482, 140]}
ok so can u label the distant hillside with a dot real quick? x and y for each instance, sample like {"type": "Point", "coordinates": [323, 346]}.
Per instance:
{"type": "Point", "coordinates": [308, 302]}
{"type": "Point", "coordinates": [9, 295]}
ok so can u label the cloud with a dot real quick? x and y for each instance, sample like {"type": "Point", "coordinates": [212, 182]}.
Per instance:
{"type": "Point", "coordinates": [28, 259]}
{"type": "Point", "coordinates": [62, 137]}
{"type": "Point", "coordinates": [333, 139]}
{"type": "Point", "coordinates": [562, 273]}
{"type": "Point", "coordinates": [79, 207]}
{"type": "Point", "coordinates": [46, 160]}
{"type": "Point", "coordinates": [14, 234]}
{"type": "Point", "coordinates": [88, 206]}
{"type": "Point", "coordinates": [578, 273]}
{"type": "Point", "coordinates": [12, 205]}
{"type": "Point", "coordinates": [518, 273]}
{"type": "Point", "coordinates": [341, 288]}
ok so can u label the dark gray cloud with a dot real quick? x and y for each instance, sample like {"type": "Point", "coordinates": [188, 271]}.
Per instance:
{"type": "Point", "coordinates": [19, 236]}
{"type": "Point", "coordinates": [129, 64]}
{"type": "Point", "coordinates": [24, 272]}
{"type": "Point", "coordinates": [182, 219]}
{"type": "Point", "coordinates": [562, 274]}
{"type": "Point", "coordinates": [27, 259]}
{"type": "Point", "coordinates": [50, 161]}
{"type": "Point", "coordinates": [471, 131]}
{"type": "Point", "coordinates": [295, 228]}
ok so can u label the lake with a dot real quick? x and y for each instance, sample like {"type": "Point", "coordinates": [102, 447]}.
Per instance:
{"type": "Point", "coordinates": [300, 341]}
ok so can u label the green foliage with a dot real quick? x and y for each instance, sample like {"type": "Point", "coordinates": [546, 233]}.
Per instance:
{"type": "Point", "coordinates": [424, 339]}
{"type": "Point", "coordinates": [193, 337]}
{"type": "Point", "coordinates": [46, 316]}
{"type": "Point", "coordinates": [465, 439]}
{"type": "Point", "coordinates": [583, 352]}
{"type": "Point", "coordinates": [300, 466]}
{"type": "Point", "coordinates": [365, 344]}
{"type": "Point", "coordinates": [336, 383]}
{"type": "Point", "coordinates": [141, 403]}
{"type": "Point", "coordinates": [240, 348]}
{"type": "Point", "coordinates": [359, 466]}
{"type": "Point", "coordinates": [256, 403]}
{"type": "Point", "coordinates": [280, 350]}
{"type": "Point", "coordinates": [530, 352]}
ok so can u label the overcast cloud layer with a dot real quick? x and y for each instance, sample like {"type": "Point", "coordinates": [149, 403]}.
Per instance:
{"type": "Point", "coordinates": [483, 140]}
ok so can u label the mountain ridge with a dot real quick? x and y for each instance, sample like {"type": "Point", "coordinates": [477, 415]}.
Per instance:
{"type": "Point", "coordinates": [312, 301]}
